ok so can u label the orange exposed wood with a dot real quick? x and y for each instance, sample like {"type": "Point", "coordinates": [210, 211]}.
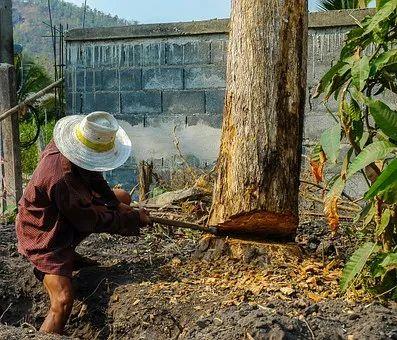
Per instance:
{"type": "Point", "coordinates": [261, 223]}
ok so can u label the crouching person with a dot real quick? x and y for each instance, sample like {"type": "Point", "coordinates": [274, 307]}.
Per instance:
{"type": "Point", "coordinates": [68, 199]}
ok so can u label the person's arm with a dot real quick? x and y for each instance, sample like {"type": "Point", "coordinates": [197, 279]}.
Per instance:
{"type": "Point", "coordinates": [76, 206]}
{"type": "Point", "coordinates": [101, 187]}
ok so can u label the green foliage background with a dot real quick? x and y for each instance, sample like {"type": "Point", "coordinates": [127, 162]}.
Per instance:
{"type": "Point", "coordinates": [31, 155]}
{"type": "Point", "coordinates": [332, 5]}
{"type": "Point", "coordinates": [30, 31]}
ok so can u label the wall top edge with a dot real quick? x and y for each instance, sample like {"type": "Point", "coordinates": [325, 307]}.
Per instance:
{"type": "Point", "coordinates": [329, 19]}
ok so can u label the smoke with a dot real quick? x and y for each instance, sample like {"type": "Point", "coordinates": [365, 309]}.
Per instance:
{"type": "Point", "coordinates": [156, 142]}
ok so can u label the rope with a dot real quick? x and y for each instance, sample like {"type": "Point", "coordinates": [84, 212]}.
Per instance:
{"type": "Point", "coordinates": [35, 114]}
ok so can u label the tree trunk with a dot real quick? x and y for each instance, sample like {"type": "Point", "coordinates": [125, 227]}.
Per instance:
{"type": "Point", "coordinates": [256, 190]}
{"type": "Point", "coordinates": [145, 179]}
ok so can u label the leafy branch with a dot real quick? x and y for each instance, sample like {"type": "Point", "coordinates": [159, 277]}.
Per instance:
{"type": "Point", "coordinates": [360, 81]}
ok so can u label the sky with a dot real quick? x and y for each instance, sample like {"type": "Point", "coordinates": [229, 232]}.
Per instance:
{"type": "Point", "coordinates": [154, 11]}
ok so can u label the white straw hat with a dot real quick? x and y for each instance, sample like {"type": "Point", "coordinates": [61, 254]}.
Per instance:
{"type": "Point", "coordinates": [94, 142]}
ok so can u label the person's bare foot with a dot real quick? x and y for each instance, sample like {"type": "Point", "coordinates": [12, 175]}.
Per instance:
{"type": "Point", "coordinates": [60, 291]}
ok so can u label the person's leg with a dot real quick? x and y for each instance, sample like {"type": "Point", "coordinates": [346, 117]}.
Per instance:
{"type": "Point", "coordinates": [60, 290]}
{"type": "Point", "coordinates": [80, 262]}
{"type": "Point", "coordinates": [123, 196]}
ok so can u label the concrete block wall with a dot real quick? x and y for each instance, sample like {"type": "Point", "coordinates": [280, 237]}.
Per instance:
{"type": "Point", "coordinates": [158, 76]}
{"type": "Point", "coordinates": [148, 77]}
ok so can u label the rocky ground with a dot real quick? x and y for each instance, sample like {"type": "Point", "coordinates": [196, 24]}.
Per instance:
{"type": "Point", "coordinates": [161, 287]}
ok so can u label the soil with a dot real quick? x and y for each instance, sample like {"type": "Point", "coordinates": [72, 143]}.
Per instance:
{"type": "Point", "coordinates": [156, 287]}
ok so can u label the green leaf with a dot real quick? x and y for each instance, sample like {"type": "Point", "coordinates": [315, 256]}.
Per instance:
{"type": "Point", "coordinates": [328, 81]}
{"type": "Point", "coordinates": [369, 217]}
{"type": "Point", "coordinates": [384, 117]}
{"type": "Point", "coordinates": [354, 110]}
{"type": "Point", "coordinates": [387, 178]}
{"type": "Point", "coordinates": [390, 68]}
{"type": "Point", "coordinates": [331, 5]}
{"type": "Point", "coordinates": [357, 130]}
{"type": "Point", "coordinates": [383, 60]}
{"type": "Point", "coordinates": [330, 142]}
{"type": "Point", "coordinates": [346, 162]}
{"type": "Point", "coordinates": [356, 263]}
{"type": "Point", "coordinates": [364, 213]}
{"type": "Point", "coordinates": [376, 269]}
{"type": "Point", "coordinates": [363, 139]}
{"type": "Point", "coordinates": [380, 3]}
{"type": "Point", "coordinates": [158, 191]}
{"type": "Point", "coordinates": [360, 72]}
{"type": "Point", "coordinates": [373, 152]}
{"type": "Point", "coordinates": [384, 222]}
{"type": "Point", "coordinates": [10, 209]}
{"type": "Point", "coordinates": [382, 14]}
{"type": "Point", "coordinates": [390, 261]}
{"type": "Point", "coordinates": [356, 38]}
{"type": "Point", "coordinates": [358, 96]}
{"type": "Point", "coordinates": [389, 195]}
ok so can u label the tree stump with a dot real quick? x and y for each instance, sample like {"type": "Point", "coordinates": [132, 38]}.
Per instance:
{"type": "Point", "coordinates": [256, 252]}
{"type": "Point", "coordinates": [145, 179]}
{"type": "Point", "coordinates": [257, 185]}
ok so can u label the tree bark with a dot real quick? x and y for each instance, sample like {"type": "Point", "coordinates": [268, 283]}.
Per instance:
{"type": "Point", "coordinates": [257, 185]}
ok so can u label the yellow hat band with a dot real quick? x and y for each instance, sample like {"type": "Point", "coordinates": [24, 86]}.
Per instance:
{"type": "Point", "coordinates": [98, 147]}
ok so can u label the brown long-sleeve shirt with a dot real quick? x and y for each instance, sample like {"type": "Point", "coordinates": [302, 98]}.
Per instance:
{"type": "Point", "coordinates": [61, 205]}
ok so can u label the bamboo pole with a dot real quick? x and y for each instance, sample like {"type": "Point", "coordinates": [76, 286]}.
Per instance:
{"type": "Point", "coordinates": [30, 100]}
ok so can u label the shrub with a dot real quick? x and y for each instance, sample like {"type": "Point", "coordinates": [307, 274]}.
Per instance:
{"type": "Point", "coordinates": [359, 81]}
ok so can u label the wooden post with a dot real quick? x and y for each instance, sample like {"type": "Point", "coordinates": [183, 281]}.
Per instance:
{"type": "Point", "coordinates": [6, 33]}
{"type": "Point", "coordinates": [256, 191]}
{"type": "Point", "coordinates": [11, 169]}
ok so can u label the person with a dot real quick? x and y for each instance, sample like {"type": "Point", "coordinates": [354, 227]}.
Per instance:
{"type": "Point", "coordinates": [68, 199]}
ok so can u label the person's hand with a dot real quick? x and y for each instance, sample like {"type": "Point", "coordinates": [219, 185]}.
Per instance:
{"type": "Point", "coordinates": [124, 209]}
{"type": "Point", "coordinates": [144, 217]}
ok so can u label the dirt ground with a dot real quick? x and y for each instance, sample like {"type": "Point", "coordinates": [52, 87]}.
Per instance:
{"type": "Point", "coordinates": [160, 286]}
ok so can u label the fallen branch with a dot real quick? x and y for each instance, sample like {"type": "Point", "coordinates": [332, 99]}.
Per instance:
{"type": "Point", "coordinates": [156, 206]}
{"type": "Point", "coordinates": [309, 328]}
{"type": "Point", "coordinates": [2, 315]}
{"type": "Point", "coordinates": [352, 208]}
{"type": "Point", "coordinates": [169, 215]}
{"type": "Point", "coordinates": [174, 197]}
{"type": "Point", "coordinates": [133, 189]}
{"type": "Point", "coordinates": [323, 188]}
{"type": "Point", "coordinates": [185, 225]}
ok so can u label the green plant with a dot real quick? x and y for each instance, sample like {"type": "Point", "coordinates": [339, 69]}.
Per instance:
{"type": "Point", "coordinates": [30, 156]}
{"type": "Point", "coordinates": [330, 5]}
{"type": "Point", "coordinates": [8, 216]}
{"type": "Point", "coordinates": [31, 76]}
{"type": "Point", "coordinates": [36, 122]}
{"type": "Point", "coordinates": [360, 81]}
